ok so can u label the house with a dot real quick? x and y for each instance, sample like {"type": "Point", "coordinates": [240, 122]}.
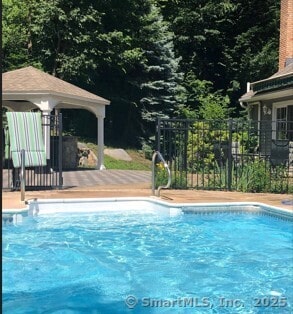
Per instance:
{"type": "Point", "coordinates": [270, 101]}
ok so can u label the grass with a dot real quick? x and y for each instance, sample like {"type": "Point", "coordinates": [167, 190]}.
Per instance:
{"type": "Point", "coordinates": [138, 162]}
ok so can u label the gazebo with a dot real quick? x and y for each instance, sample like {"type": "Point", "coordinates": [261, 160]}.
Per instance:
{"type": "Point", "coordinates": [28, 88]}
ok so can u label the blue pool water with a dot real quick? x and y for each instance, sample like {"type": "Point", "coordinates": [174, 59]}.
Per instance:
{"type": "Point", "coordinates": [125, 262]}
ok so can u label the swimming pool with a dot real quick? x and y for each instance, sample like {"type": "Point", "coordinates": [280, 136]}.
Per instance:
{"type": "Point", "coordinates": [142, 256]}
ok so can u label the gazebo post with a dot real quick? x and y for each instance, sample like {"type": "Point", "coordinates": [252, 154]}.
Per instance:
{"type": "Point", "coordinates": [46, 105]}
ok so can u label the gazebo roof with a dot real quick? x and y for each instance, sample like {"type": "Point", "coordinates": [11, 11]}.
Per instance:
{"type": "Point", "coordinates": [30, 80]}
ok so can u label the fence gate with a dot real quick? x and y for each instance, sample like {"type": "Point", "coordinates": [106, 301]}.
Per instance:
{"type": "Point", "coordinates": [48, 177]}
{"type": "Point", "coordinates": [234, 154]}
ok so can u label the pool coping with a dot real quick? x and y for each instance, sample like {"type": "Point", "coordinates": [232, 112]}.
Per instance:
{"type": "Point", "coordinates": [32, 207]}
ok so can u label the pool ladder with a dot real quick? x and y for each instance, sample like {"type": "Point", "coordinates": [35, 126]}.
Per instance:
{"type": "Point", "coordinates": [155, 154]}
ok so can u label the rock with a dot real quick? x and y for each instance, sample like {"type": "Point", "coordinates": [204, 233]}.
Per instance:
{"type": "Point", "coordinates": [117, 153]}
{"type": "Point", "coordinates": [86, 156]}
{"type": "Point", "coordinates": [81, 145]}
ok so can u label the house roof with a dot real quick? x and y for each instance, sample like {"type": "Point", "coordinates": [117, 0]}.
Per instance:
{"type": "Point", "coordinates": [282, 79]}
{"type": "Point", "coordinates": [30, 80]}
{"type": "Point", "coordinates": [288, 70]}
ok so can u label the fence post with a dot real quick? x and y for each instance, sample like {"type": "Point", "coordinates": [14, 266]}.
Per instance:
{"type": "Point", "coordinates": [158, 134]}
{"type": "Point", "coordinates": [22, 176]}
{"type": "Point", "coordinates": [230, 161]}
{"type": "Point", "coordinates": [186, 128]}
{"type": "Point", "coordinates": [60, 152]}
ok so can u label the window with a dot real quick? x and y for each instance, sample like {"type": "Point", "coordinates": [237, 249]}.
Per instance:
{"type": "Point", "coordinates": [283, 122]}
{"type": "Point", "coordinates": [290, 123]}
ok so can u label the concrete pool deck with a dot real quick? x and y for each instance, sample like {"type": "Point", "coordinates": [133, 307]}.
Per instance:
{"type": "Point", "coordinates": [131, 183]}
{"type": "Point", "coordinates": [11, 200]}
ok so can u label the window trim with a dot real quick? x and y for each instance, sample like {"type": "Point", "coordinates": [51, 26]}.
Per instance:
{"type": "Point", "coordinates": [275, 107]}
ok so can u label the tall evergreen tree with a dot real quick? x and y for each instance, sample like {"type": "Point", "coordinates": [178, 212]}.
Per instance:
{"type": "Point", "coordinates": [142, 83]}
{"type": "Point", "coordinates": [160, 79]}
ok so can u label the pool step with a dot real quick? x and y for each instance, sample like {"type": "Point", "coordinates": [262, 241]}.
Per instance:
{"type": "Point", "coordinates": [11, 219]}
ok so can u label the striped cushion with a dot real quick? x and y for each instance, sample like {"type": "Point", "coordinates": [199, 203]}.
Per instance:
{"type": "Point", "coordinates": [25, 132]}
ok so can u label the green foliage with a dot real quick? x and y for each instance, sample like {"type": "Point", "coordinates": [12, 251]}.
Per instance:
{"type": "Point", "coordinates": [214, 106]}
{"type": "Point", "coordinates": [147, 150]}
{"type": "Point", "coordinates": [178, 178]}
{"type": "Point", "coordinates": [280, 180]}
{"type": "Point", "coordinates": [201, 144]}
{"type": "Point", "coordinates": [208, 142]}
{"type": "Point", "coordinates": [225, 42]}
{"type": "Point", "coordinates": [111, 163]}
{"type": "Point", "coordinates": [258, 176]}
{"type": "Point", "coordinates": [15, 34]}
{"type": "Point", "coordinates": [150, 58]}
{"type": "Point", "coordinates": [64, 37]}
{"type": "Point", "coordinates": [161, 175]}
{"type": "Point", "coordinates": [201, 101]}
{"type": "Point", "coordinates": [79, 123]}
{"type": "Point", "coordinates": [253, 176]}
{"type": "Point", "coordinates": [158, 81]}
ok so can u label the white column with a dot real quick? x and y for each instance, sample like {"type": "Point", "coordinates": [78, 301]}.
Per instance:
{"type": "Point", "coordinates": [100, 136]}
{"type": "Point", "coordinates": [46, 105]}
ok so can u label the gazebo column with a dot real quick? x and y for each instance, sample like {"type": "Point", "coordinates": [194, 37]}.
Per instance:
{"type": "Point", "coordinates": [100, 136]}
{"type": "Point", "coordinates": [46, 105]}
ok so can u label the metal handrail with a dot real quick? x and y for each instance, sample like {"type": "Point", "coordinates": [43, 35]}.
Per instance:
{"type": "Point", "coordinates": [155, 154]}
{"type": "Point", "coordinates": [22, 176]}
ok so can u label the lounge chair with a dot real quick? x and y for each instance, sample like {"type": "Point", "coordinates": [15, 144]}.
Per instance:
{"type": "Point", "coordinates": [25, 132]}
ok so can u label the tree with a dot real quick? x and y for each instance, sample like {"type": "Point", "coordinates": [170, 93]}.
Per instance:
{"type": "Point", "coordinates": [15, 34]}
{"type": "Point", "coordinates": [225, 42]}
{"type": "Point", "coordinates": [120, 50]}
{"type": "Point", "coordinates": [160, 80]}
{"type": "Point", "coordinates": [202, 102]}
{"type": "Point", "coordinates": [142, 82]}
{"type": "Point", "coordinates": [65, 34]}
{"type": "Point", "coordinates": [150, 58]}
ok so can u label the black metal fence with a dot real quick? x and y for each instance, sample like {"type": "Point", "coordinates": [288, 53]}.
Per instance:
{"type": "Point", "coordinates": [234, 154]}
{"type": "Point", "coordinates": [48, 177]}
